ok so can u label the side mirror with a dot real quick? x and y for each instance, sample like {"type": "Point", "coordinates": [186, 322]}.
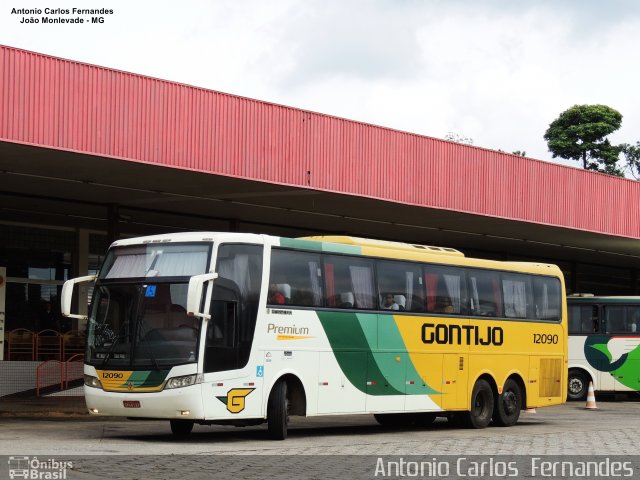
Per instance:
{"type": "Point", "coordinates": [67, 294]}
{"type": "Point", "coordinates": [194, 295]}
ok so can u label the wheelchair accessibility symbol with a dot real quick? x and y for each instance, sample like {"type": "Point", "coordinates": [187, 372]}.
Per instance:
{"type": "Point", "coordinates": [260, 371]}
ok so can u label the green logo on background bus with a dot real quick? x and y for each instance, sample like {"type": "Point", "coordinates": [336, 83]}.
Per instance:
{"type": "Point", "coordinates": [616, 355]}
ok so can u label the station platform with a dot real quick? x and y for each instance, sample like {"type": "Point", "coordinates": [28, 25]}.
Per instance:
{"type": "Point", "coordinates": [45, 406]}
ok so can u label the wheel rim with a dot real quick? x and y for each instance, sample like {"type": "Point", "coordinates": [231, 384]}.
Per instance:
{"type": "Point", "coordinates": [576, 386]}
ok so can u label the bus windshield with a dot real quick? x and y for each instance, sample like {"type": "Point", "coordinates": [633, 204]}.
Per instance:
{"type": "Point", "coordinates": [141, 325]}
{"type": "Point", "coordinates": [138, 316]}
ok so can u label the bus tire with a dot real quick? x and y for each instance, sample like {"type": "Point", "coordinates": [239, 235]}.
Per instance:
{"type": "Point", "coordinates": [508, 405]}
{"type": "Point", "coordinates": [278, 411]}
{"type": "Point", "coordinates": [578, 385]}
{"type": "Point", "coordinates": [181, 428]}
{"type": "Point", "coordinates": [481, 405]}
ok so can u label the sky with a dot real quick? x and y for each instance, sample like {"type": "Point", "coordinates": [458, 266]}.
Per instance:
{"type": "Point", "coordinates": [495, 71]}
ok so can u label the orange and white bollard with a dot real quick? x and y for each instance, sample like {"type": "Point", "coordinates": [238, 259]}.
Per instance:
{"type": "Point", "coordinates": [591, 398]}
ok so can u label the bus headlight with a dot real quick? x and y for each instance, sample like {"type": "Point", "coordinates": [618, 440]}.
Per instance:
{"type": "Point", "coordinates": [186, 381]}
{"type": "Point", "coordinates": [91, 381]}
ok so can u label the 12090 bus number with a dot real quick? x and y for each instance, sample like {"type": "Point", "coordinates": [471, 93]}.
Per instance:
{"type": "Point", "coordinates": [545, 338]}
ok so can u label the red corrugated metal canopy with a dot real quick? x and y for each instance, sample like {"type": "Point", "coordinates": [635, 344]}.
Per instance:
{"type": "Point", "coordinates": [69, 106]}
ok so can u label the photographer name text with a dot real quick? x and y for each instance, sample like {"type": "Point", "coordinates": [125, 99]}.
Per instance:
{"type": "Point", "coordinates": [468, 468]}
{"type": "Point", "coordinates": [49, 15]}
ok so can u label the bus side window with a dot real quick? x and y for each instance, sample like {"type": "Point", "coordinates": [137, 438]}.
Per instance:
{"type": "Point", "coordinates": [400, 283]}
{"type": "Point", "coordinates": [297, 276]}
{"type": "Point", "coordinates": [615, 319]}
{"type": "Point", "coordinates": [547, 298]}
{"type": "Point", "coordinates": [583, 319]}
{"type": "Point", "coordinates": [349, 282]}
{"type": "Point", "coordinates": [595, 321]}
{"type": "Point", "coordinates": [517, 293]}
{"type": "Point", "coordinates": [446, 290]}
{"type": "Point", "coordinates": [634, 318]}
{"type": "Point", "coordinates": [485, 293]}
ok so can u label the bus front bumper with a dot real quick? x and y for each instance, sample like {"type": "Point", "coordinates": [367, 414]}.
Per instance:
{"type": "Point", "coordinates": [176, 403]}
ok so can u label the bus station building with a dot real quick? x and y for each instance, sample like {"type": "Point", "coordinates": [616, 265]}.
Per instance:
{"type": "Point", "coordinates": [90, 154]}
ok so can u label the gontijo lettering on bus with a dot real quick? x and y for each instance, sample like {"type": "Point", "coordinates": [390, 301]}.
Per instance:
{"type": "Point", "coordinates": [461, 334]}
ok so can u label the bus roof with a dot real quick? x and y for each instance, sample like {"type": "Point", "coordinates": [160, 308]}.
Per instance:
{"type": "Point", "coordinates": [420, 253]}
{"type": "Point", "coordinates": [351, 245]}
{"type": "Point", "coordinates": [367, 242]}
{"type": "Point", "coordinates": [580, 298]}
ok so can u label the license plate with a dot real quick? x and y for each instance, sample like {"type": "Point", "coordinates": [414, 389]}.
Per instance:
{"type": "Point", "coordinates": [131, 403]}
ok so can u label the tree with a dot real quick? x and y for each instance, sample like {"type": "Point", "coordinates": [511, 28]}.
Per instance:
{"type": "Point", "coordinates": [632, 157]}
{"type": "Point", "coordinates": [580, 132]}
{"type": "Point", "coordinates": [458, 138]}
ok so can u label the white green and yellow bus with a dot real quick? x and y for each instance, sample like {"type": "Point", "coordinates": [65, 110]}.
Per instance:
{"type": "Point", "coordinates": [241, 329]}
{"type": "Point", "coordinates": [604, 344]}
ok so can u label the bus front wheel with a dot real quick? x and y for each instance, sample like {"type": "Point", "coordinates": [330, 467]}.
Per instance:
{"type": "Point", "coordinates": [481, 405]}
{"type": "Point", "coordinates": [508, 404]}
{"type": "Point", "coordinates": [181, 428]}
{"type": "Point", "coordinates": [578, 385]}
{"type": "Point", "coordinates": [278, 411]}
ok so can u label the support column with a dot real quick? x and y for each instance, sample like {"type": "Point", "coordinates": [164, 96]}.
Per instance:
{"type": "Point", "coordinates": [3, 289]}
{"type": "Point", "coordinates": [82, 269]}
{"type": "Point", "coordinates": [113, 223]}
{"type": "Point", "coordinates": [574, 278]}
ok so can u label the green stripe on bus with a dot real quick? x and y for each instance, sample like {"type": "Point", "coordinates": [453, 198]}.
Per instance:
{"type": "Point", "coordinates": [623, 369]}
{"type": "Point", "coordinates": [146, 378]}
{"type": "Point", "coordinates": [352, 350]}
{"type": "Point", "coordinates": [390, 340]}
{"type": "Point", "coordinates": [320, 246]}
{"type": "Point", "coordinates": [354, 341]}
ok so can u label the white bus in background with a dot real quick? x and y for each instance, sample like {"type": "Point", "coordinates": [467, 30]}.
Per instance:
{"type": "Point", "coordinates": [604, 344]}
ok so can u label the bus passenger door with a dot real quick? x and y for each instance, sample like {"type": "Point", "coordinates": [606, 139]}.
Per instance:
{"type": "Point", "coordinates": [227, 385]}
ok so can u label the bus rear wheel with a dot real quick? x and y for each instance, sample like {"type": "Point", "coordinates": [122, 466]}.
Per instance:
{"type": "Point", "coordinates": [181, 428]}
{"type": "Point", "coordinates": [278, 411]}
{"type": "Point", "coordinates": [578, 385]}
{"type": "Point", "coordinates": [508, 404]}
{"type": "Point", "coordinates": [481, 405]}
